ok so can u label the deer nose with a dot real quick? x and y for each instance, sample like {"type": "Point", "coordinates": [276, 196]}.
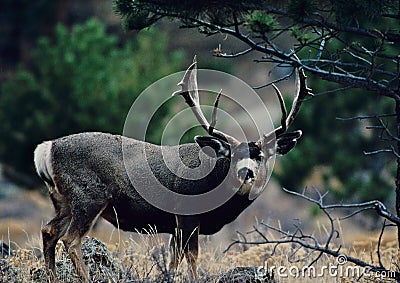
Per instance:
{"type": "Point", "coordinates": [245, 173]}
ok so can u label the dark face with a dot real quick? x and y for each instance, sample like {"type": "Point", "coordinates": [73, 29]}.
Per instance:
{"type": "Point", "coordinates": [248, 161]}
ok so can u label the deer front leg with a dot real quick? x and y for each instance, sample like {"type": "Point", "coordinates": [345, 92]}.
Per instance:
{"type": "Point", "coordinates": [191, 252]}
{"type": "Point", "coordinates": [73, 244]}
{"type": "Point", "coordinates": [175, 251]}
{"type": "Point", "coordinates": [184, 242]}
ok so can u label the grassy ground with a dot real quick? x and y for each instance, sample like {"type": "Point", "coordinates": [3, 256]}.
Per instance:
{"type": "Point", "coordinates": [145, 259]}
{"type": "Point", "coordinates": [129, 257]}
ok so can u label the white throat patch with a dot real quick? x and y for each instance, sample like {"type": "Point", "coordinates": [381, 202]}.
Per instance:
{"type": "Point", "coordinates": [247, 163]}
{"type": "Point", "coordinates": [246, 184]}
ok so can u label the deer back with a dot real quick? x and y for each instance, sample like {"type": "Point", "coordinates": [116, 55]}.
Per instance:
{"type": "Point", "coordinates": [96, 161]}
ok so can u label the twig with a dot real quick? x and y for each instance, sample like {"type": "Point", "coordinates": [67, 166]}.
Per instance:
{"type": "Point", "coordinates": [387, 150]}
{"type": "Point", "coordinates": [342, 77]}
{"type": "Point", "coordinates": [233, 55]}
{"type": "Point", "coordinates": [380, 242]}
{"type": "Point", "coordinates": [311, 243]}
{"type": "Point", "coordinates": [365, 117]}
{"type": "Point", "coordinates": [275, 81]}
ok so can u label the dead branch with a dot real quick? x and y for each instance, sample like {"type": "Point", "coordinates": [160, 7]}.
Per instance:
{"type": "Point", "coordinates": [278, 56]}
{"type": "Point", "coordinates": [316, 248]}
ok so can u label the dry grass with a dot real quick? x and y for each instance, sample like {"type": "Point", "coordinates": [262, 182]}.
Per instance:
{"type": "Point", "coordinates": [138, 258]}
{"type": "Point", "coordinates": [145, 259]}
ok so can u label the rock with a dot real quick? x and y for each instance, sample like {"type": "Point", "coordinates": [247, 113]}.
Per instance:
{"type": "Point", "coordinates": [248, 274]}
{"type": "Point", "coordinates": [97, 258]}
{"type": "Point", "coordinates": [10, 274]}
{"type": "Point", "coordinates": [96, 252]}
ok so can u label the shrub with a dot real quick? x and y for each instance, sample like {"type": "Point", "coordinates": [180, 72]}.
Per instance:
{"type": "Point", "coordinates": [83, 80]}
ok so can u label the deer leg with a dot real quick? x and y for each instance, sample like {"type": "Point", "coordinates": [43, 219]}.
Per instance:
{"type": "Point", "coordinates": [73, 244]}
{"type": "Point", "coordinates": [185, 243]}
{"type": "Point", "coordinates": [191, 252]}
{"type": "Point", "coordinates": [175, 247]}
{"type": "Point", "coordinates": [51, 233]}
{"type": "Point", "coordinates": [83, 217]}
{"type": "Point", "coordinates": [174, 262]}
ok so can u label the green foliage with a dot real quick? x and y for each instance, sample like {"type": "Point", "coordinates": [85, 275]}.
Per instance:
{"type": "Point", "coordinates": [300, 35]}
{"type": "Point", "coordinates": [261, 22]}
{"type": "Point", "coordinates": [336, 148]}
{"type": "Point", "coordinates": [353, 11]}
{"type": "Point", "coordinates": [333, 149]}
{"type": "Point", "coordinates": [83, 81]}
{"type": "Point", "coordinates": [139, 14]}
{"type": "Point", "coordinates": [299, 9]}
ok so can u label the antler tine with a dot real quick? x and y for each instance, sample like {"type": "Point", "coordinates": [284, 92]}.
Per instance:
{"type": "Point", "coordinates": [301, 92]}
{"type": "Point", "coordinates": [214, 112]}
{"type": "Point", "coordinates": [283, 108]}
{"type": "Point", "coordinates": [190, 93]}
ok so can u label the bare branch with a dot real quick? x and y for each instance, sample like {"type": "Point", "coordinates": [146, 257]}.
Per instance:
{"type": "Point", "coordinates": [320, 50]}
{"type": "Point", "coordinates": [275, 81]}
{"type": "Point", "coordinates": [343, 28]}
{"type": "Point", "coordinates": [386, 150]}
{"type": "Point", "coordinates": [314, 246]}
{"type": "Point", "coordinates": [380, 242]}
{"type": "Point", "coordinates": [232, 55]}
{"type": "Point", "coordinates": [354, 213]}
{"type": "Point", "coordinates": [311, 243]}
{"type": "Point", "coordinates": [385, 135]}
{"type": "Point", "coordinates": [378, 206]}
{"type": "Point", "coordinates": [381, 209]}
{"type": "Point", "coordinates": [331, 91]}
{"type": "Point", "coordinates": [278, 55]}
{"type": "Point", "coordinates": [365, 117]}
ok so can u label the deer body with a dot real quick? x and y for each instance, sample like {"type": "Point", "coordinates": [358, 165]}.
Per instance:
{"type": "Point", "coordinates": [85, 182]}
{"type": "Point", "coordinates": [90, 173]}
{"type": "Point", "coordinates": [87, 176]}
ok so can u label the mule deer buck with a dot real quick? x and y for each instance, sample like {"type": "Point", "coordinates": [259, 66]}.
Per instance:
{"type": "Point", "coordinates": [87, 178]}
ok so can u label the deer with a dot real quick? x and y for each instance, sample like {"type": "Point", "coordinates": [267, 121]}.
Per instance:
{"type": "Point", "coordinates": [87, 178]}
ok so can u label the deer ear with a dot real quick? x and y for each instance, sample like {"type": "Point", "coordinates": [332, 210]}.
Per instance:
{"type": "Point", "coordinates": [213, 147]}
{"type": "Point", "coordinates": [287, 141]}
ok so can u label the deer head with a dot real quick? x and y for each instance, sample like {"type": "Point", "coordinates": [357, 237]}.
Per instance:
{"type": "Point", "coordinates": [249, 159]}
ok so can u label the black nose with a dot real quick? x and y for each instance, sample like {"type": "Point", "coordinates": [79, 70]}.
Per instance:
{"type": "Point", "coordinates": [245, 173]}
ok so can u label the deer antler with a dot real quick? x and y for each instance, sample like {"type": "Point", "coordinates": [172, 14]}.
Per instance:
{"type": "Point", "coordinates": [191, 95]}
{"type": "Point", "coordinates": [301, 92]}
